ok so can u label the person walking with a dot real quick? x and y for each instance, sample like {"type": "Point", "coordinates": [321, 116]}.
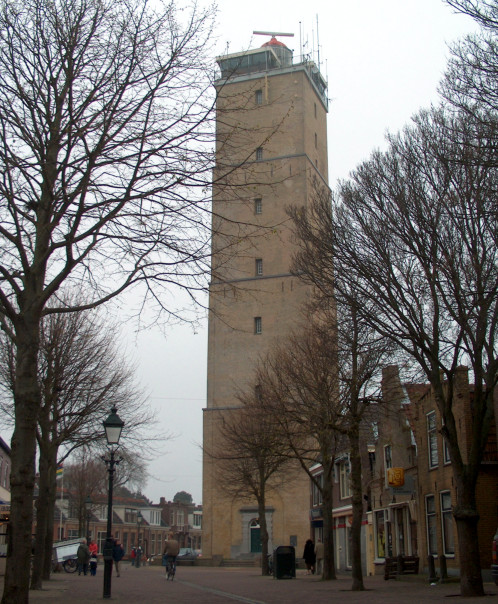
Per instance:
{"type": "Point", "coordinates": [83, 557]}
{"type": "Point", "coordinates": [309, 557]}
{"type": "Point", "coordinates": [117, 555]}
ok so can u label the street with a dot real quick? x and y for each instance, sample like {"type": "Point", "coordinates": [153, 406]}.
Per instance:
{"type": "Point", "coordinates": [214, 585]}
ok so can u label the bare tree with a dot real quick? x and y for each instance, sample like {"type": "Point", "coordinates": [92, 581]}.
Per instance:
{"type": "Point", "coordinates": [104, 129]}
{"type": "Point", "coordinates": [415, 230]}
{"type": "Point", "coordinates": [471, 80]}
{"type": "Point", "coordinates": [360, 353]}
{"type": "Point", "coordinates": [299, 380]}
{"type": "Point", "coordinates": [252, 457]}
{"type": "Point", "coordinates": [85, 476]}
{"type": "Point", "coordinates": [82, 375]}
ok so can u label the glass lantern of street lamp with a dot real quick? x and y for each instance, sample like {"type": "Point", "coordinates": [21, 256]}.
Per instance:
{"type": "Point", "coordinates": [113, 426]}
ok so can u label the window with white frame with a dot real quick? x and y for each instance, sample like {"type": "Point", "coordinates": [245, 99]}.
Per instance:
{"type": "Point", "coordinates": [380, 534]}
{"type": "Point", "coordinates": [388, 460]}
{"type": "Point", "coordinates": [197, 520]}
{"type": "Point", "coordinates": [101, 539]}
{"type": "Point", "coordinates": [447, 524]}
{"type": "Point", "coordinates": [73, 533]}
{"type": "Point", "coordinates": [317, 489]}
{"type": "Point", "coordinates": [430, 515]}
{"type": "Point", "coordinates": [344, 479]}
{"type": "Point", "coordinates": [432, 439]}
{"type": "Point", "coordinates": [388, 457]}
{"type": "Point", "coordinates": [258, 325]}
{"type": "Point", "coordinates": [446, 452]}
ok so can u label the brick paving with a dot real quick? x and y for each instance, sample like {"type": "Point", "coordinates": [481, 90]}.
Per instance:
{"type": "Point", "coordinates": [207, 585]}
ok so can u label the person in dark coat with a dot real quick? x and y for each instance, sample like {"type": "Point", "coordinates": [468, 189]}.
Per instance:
{"type": "Point", "coordinates": [83, 556]}
{"type": "Point", "coordinates": [117, 555]}
{"type": "Point", "coordinates": [309, 557]}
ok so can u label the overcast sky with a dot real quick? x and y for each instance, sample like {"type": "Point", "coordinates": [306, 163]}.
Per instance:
{"type": "Point", "coordinates": [383, 60]}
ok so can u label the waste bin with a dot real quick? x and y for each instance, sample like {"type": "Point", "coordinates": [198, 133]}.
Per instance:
{"type": "Point", "coordinates": [284, 562]}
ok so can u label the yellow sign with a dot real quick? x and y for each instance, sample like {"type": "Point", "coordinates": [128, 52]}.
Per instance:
{"type": "Point", "coordinates": [396, 477]}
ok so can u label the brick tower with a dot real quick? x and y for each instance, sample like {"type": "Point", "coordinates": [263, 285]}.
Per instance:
{"type": "Point", "coordinates": [272, 141]}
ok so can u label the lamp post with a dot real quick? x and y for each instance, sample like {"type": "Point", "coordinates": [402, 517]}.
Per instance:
{"type": "Point", "coordinates": [88, 504]}
{"type": "Point", "coordinates": [112, 426]}
{"type": "Point", "coordinates": [139, 549]}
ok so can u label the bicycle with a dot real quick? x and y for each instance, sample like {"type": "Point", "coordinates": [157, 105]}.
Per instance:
{"type": "Point", "coordinates": [170, 569]}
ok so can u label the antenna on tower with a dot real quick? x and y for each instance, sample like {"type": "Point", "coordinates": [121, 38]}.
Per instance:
{"type": "Point", "coordinates": [301, 41]}
{"type": "Point", "coordinates": [317, 42]}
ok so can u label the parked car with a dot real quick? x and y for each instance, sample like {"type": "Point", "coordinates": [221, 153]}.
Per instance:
{"type": "Point", "coordinates": [186, 553]}
{"type": "Point", "coordinates": [186, 556]}
{"type": "Point", "coordinates": [494, 559]}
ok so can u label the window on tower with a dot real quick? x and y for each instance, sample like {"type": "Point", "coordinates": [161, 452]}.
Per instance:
{"type": "Point", "coordinates": [258, 205]}
{"type": "Point", "coordinates": [259, 97]}
{"type": "Point", "coordinates": [258, 327]}
{"type": "Point", "coordinates": [259, 267]}
{"type": "Point", "coordinates": [259, 153]}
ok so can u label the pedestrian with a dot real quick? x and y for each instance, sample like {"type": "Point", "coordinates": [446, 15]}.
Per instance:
{"type": "Point", "coordinates": [93, 547]}
{"type": "Point", "coordinates": [309, 557]}
{"type": "Point", "coordinates": [93, 564]}
{"type": "Point", "coordinates": [319, 557]}
{"type": "Point", "coordinates": [83, 557]}
{"type": "Point", "coordinates": [133, 556]}
{"type": "Point", "coordinates": [117, 555]}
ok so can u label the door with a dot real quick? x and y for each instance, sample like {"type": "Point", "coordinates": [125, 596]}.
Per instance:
{"type": "Point", "coordinates": [255, 537]}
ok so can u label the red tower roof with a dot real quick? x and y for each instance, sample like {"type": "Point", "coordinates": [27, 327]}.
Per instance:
{"type": "Point", "coordinates": [274, 42]}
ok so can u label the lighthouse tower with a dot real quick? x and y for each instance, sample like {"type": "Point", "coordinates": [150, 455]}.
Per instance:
{"type": "Point", "coordinates": [271, 149]}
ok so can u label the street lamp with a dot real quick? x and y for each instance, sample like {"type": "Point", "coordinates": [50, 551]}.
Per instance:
{"type": "Point", "coordinates": [139, 550]}
{"type": "Point", "coordinates": [112, 426]}
{"type": "Point", "coordinates": [88, 505]}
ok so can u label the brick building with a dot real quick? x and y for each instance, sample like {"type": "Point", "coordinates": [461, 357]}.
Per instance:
{"type": "Point", "coordinates": [416, 519]}
{"type": "Point", "coordinates": [135, 522]}
{"type": "Point", "coordinates": [184, 521]}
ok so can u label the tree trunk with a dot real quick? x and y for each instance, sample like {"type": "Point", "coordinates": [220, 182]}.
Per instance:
{"type": "Point", "coordinates": [42, 511]}
{"type": "Point", "coordinates": [328, 528]}
{"type": "Point", "coordinates": [357, 501]}
{"type": "Point", "coordinates": [49, 537]}
{"type": "Point", "coordinates": [264, 536]}
{"type": "Point", "coordinates": [467, 518]}
{"type": "Point", "coordinates": [22, 478]}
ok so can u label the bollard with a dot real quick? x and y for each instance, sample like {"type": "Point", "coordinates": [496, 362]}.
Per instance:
{"type": "Point", "coordinates": [443, 569]}
{"type": "Point", "coordinates": [432, 569]}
